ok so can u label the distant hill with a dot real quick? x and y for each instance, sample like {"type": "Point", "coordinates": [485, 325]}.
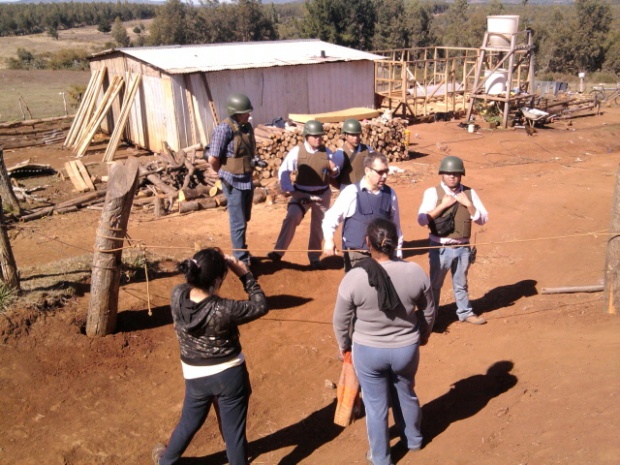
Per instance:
{"type": "Point", "coordinates": [155, 2]}
{"type": "Point", "coordinates": [267, 2]}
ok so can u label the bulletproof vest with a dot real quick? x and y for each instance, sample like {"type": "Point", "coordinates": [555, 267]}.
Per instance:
{"type": "Point", "coordinates": [312, 168]}
{"type": "Point", "coordinates": [353, 167]}
{"type": "Point", "coordinates": [462, 218]}
{"type": "Point", "coordinates": [369, 206]}
{"type": "Point", "coordinates": [244, 148]}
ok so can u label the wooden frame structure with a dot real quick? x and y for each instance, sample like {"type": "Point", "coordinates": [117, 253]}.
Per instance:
{"type": "Point", "coordinates": [421, 81]}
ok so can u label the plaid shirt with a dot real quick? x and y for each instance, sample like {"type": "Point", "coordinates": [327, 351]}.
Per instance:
{"type": "Point", "coordinates": [223, 145]}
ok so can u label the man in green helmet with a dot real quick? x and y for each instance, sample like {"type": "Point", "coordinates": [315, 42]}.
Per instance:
{"type": "Point", "coordinates": [449, 210]}
{"type": "Point", "coordinates": [231, 152]}
{"type": "Point", "coordinates": [350, 157]}
{"type": "Point", "coordinates": [312, 162]}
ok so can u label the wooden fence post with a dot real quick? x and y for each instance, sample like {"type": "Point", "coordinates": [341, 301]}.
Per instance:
{"type": "Point", "coordinates": [103, 308]}
{"type": "Point", "coordinates": [8, 268]}
{"type": "Point", "coordinates": [6, 189]}
{"type": "Point", "coordinates": [612, 257]}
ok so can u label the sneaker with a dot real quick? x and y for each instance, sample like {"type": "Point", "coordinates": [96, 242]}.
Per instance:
{"type": "Point", "coordinates": [369, 459]}
{"type": "Point", "coordinates": [275, 257]}
{"type": "Point", "coordinates": [475, 320]}
{"type": "Point", "coordinates": [157, 452]}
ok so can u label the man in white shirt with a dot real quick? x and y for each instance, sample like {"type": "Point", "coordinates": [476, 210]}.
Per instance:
{"type": "Point", "coordinates": [312, 162]}
{"type": "Point", "coordinates": [449, 210]}
{"type": "Point", "coordinates": [356, 206]}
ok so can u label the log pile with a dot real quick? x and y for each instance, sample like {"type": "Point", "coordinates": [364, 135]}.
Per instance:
{"type": "Point", "coordinates": [387, 137]}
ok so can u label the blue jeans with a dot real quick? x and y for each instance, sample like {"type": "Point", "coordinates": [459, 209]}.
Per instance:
{"type": "Point", "coordinates": [455, 260]}
{"type": "Point", "coordinates": [239, 204]}
{"type": "Point", "coordinates": [231, 390]}
{"type": "Point", "coordinates": [387, 377]}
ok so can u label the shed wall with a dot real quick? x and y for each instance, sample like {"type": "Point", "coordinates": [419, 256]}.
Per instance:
{"type": "Point", "coordinates": [175, 108]}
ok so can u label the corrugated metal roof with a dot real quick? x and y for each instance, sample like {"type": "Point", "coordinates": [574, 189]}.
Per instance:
{"type": "Point", "coordinates": [181, 59]}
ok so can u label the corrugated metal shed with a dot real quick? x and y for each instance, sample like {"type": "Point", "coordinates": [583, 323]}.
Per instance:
{"type": "Point", "coordinates": [280, 77]}
{"type": "Point", "coordinates": [177, 59]}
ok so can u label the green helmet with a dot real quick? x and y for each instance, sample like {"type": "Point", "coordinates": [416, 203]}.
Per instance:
{"type": "Point", "coordinates": [313, 128]}
{"type": "Point", "coordinates": [238, 104]}
{"type": "Point", "coordinates": [352, 126]}
{"type": "Point", "coordinates": [452, 164]}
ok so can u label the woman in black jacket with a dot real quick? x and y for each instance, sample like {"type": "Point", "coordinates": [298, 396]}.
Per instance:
{"type": "Point", "coordinates": [213, 364]}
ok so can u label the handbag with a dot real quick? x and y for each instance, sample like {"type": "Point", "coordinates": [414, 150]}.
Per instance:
{"type": "Point", "coordinates": [443, 225]}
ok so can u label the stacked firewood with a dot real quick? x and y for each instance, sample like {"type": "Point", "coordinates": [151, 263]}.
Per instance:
{"type": "Point", "coordinates": [388, 137]}
{"type": "Point", "coordinates": [183, 181]}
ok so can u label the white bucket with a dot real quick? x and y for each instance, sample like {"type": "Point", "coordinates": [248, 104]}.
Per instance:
{"type": "Point", "coordinates": [495, 82]}
{"type": "Point", "coordinates": [501, 28]}
{"type": "Point", "coordinates": [471, 128]}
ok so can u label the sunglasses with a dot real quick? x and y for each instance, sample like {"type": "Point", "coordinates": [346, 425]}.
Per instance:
{"type": "Point", "coordinates": [381, 172]}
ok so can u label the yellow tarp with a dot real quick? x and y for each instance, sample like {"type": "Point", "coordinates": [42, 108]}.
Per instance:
{"type": "Point", "coordinates": [336, 116]}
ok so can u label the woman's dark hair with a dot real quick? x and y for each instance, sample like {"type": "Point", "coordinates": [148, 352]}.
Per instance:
{"type": "Point", "coordinates": [205, 268]}
{"type": "Point", "coordinates": [382, 236]}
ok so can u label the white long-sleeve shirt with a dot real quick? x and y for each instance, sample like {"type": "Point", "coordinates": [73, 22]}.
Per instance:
{"type": "Point", "coordinates": [429, 202]}
{"type": "Point", "coordinates": [289, 165]}
{"type": "Point", "coordinates": [345, 205]}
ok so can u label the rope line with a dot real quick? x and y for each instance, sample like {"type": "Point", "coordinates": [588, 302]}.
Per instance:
{"type": "Point", "coordinates": [143, 247]}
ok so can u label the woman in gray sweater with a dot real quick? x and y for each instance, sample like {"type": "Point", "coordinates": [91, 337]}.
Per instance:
{"type": "Point", "coordinates": [213, 363]}
{"type": "Point", "coordinates": [384, 313]}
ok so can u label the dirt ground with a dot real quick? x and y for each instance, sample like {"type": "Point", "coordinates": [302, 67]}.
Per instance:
{"type": "Point", "coordinates": [537, 385]}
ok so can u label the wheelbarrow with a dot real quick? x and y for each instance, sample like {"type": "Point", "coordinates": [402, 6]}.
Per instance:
{"type": "Point", "coordinates": [534, 115]}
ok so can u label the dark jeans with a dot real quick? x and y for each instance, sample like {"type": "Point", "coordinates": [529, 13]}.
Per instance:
{"type": "Point", "coordinates": [231, 390]}
{"type": "Point", "coordinates": [239, 205]}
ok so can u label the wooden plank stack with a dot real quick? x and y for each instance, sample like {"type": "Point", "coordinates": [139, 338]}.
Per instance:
{"type": "Point", "coordinates": [273, 144]}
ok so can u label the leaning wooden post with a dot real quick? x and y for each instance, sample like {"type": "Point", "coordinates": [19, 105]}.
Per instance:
{"type": "Point", "coordinates": [6, 189]}
{"type": "Point", "coordinates": [106, 272]}
{"type": "Point", "coordinates": [612, 257]}
{"type": "Point", "coordinates": [8, 268]}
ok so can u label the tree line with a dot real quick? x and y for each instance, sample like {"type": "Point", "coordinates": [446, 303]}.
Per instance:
{"type": "Point", "coordinates": [582, 36]}
{"type": "Point", "coordinates": [35, 18]}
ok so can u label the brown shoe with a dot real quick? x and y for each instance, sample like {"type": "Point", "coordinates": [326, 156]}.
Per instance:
{"type": "Point", "coordinates": [475, 320]}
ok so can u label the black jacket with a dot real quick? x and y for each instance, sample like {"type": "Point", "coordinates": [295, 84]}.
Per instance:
{"type": "Point", "coordinates": [208, 330]}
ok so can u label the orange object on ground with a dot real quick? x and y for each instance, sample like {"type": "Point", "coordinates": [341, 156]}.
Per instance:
{"type": "Point", "coordinates": [347, 393]}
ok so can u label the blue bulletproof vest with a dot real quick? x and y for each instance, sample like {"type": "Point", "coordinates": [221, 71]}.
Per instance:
{"type": "Point", "coordinates": [369, 206]}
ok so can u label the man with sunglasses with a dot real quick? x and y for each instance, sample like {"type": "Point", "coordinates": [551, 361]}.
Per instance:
{"type": "Point", "coordinates": [356, 206]}
{"type": "Point", "coordinates": [450, 246]}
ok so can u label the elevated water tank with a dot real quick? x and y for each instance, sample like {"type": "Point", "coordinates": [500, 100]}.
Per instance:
{"type": "Point", "coordinates": [501, 29]}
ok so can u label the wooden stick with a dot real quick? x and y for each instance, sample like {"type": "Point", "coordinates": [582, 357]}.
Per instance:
{"type": "Point", "coordinates": [571, 289]}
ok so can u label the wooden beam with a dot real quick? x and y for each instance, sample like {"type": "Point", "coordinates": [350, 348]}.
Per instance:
{"type": "Point", "coordinates": [612, 257]}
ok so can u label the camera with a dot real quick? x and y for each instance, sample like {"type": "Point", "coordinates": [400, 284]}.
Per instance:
{"type": "Point", "coordinates": [257, 162]}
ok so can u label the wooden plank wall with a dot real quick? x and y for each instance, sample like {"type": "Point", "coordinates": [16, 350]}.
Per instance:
{"type": "Point", "coordinates": [171, 107]}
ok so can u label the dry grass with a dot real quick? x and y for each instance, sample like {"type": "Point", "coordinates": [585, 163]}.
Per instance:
{"type": "Point", "coordinates": [49, 286]}
{"type": "Point", "coordinates": [41, 89]}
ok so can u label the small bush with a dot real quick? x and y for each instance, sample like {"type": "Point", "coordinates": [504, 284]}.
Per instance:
{"type": "Point", "coordinates": [7, 296]}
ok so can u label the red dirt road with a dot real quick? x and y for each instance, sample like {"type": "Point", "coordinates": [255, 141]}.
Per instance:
{"type": "Point", "coordinates": [537, 385]}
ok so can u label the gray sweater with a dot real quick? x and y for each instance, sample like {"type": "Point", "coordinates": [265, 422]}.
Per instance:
{"type": "Point", "coordinates": [357, 307]}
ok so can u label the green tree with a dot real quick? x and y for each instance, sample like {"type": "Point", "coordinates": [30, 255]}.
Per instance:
{"type": "Point", "coordinates": [172, 24]}
{"type": "Point", "coordinates": [419, 21]}
{"type": "Point", "coordinates": [104, 26]}
{"type": "Point", "coordinates": [343, 22]}
{"type": "Point", "coordinates": [120, 33]}
{"type": "Point", "coordinates": [390, 30]}
{"type": "Point", "coordinates": [590, 34]}
{"type": "Point", "coordinates": [53, 33]}
{"type": "Point", "coordinates": [455, 25]}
